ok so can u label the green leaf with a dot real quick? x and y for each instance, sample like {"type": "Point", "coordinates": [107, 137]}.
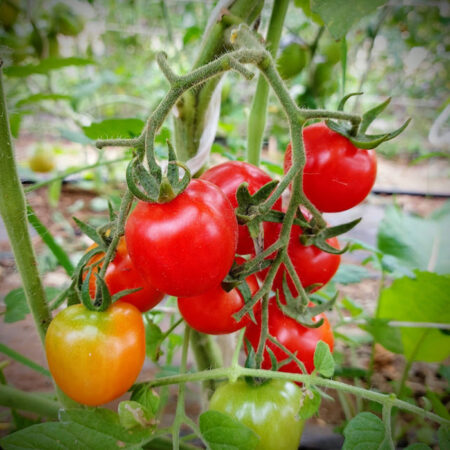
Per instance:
{"type": "Point", "coordinates": [147, 397]}
{"type": "Point", "coordinates": [15, 120]}
{"type": "Point", "coordinates": [292, 60]}
{"type": "Point", "coordinates": [418, 446]}
{"type": "Point", "coordinates": [389, 337]}
{"type": "Point", "coordinates": [309, 404]}
{"type": "Point", "coordinates": [222, 432]}
{"type": "Point", "coordinates": [153, 337]}
{"type": "Point", "coordinates": [45, 66]}
{"type": "Point", "coordinates": [37, 98]}
{"type": "Point", "coordinates": [16, 305]}
{"type": "Point", "coordinates": [306, 7]}
{"type": "Point", "coordinates": [340, 15]}
{"type": "Point", "coordinates": [416, 242]}
{"type": "Point", "coordinates": [365, 431]}
{"type": "Point", "coordinates": [132, 414]}
{"type": "Point", "coordinates": [192, 34]}
{"type": "Point", "coordinates": [423, 299]}
{"type": "Point", "coordinates": [351, 274]}
{"type": "Point", "coordinates": [323, 359]}
{"type": "Point", "coordinates": [114, 129]}
{"type": "Point", "coordinates": [354, 309]}
{"type": "Point", "coordinates": [444, 437]}
{"type": "Point", "coordinates": [438, 407]}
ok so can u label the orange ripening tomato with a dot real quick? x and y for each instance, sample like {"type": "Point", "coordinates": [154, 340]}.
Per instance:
{"type": "Point", "coordinates": [95, 357]}
{"type": "Point", "coordinates": [120, 275]}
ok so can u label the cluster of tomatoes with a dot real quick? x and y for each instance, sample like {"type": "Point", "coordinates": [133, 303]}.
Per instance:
{"type": "Point", "coordinates": [185, 248]}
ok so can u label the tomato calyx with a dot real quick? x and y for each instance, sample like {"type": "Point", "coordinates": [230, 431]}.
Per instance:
{"type": "Point", "coordinates": [152, 185]}
{"type": "Point", "coordinates": [357, 135]}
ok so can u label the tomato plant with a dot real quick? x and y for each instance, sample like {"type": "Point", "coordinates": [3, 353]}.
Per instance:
{"type": "Point", "coordinates": [297, 338]}
{"type": "Point", "coordinates": [337, 175]}
{"type": "Point", "coordinates": [269, 409]}
{"type": "Point", "coordinates": [229, 176]}
{"type": "Point", "coordinates": [212, 312]}
{"type": "Point", "coordinates": [95, 357]}
{"type": "Point", "coordinates": [172, 243]}
{"type": "Point", "coordinates": [121, 275]}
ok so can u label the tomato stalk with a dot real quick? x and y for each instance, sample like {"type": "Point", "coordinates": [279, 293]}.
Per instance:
{"type": "Point", "coordinates": [258, 113]}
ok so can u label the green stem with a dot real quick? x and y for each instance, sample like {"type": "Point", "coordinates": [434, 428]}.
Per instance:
{"type": "Point", "coordinates": [23, 360]}
{"type": "Point", "coordinates": [232, 372]}
{"type": "Point", "coordinates": [13, 211]}
{"type": "Point", "coordinates": [27, 401]}
{"type": "Point", "coordinates": [258, 112]}
{"type": "Point", "coordinates": [387, 408]}
{"type": "Point", "coordinates": [264, 330]}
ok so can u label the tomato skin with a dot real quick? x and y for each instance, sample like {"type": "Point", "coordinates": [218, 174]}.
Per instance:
{"type": "Point", "coordinates": [313, 266]}
{"type": "Point", "coordinates": [229, 176]}
{"type": "Point", "coordinates": [270, 410]}
{"type": "Point", "coordinates": [184, 247]}
{"type": "Point", "coordinates": [121, 274]}
{"type": "Point", "coordinates": [212, 312]}
{"type": "Point", "coordinates": [95, 357]}
{"type": "Point", "coordinates": [295, 337]}
{"type": "Point", "coordinates": [337, 175]}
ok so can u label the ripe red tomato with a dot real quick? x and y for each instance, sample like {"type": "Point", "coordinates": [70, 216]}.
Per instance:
{"type": "Point", "coordinates": [337, 175]}
{"type": "Point", "coordinates": [212, 312]}
{"type": "Point", "coordinates": [295, 337]}
{"type": "Point", "coordinates": [313, 266]}
{"type": "Point", "coordinates": [184, 247]}
{"type": "Point", "coordinates": [120, 275]}
{"type": "Point", "coordinates": [229, 176]}
{"type": "Point", "coordinates": [95, 357]}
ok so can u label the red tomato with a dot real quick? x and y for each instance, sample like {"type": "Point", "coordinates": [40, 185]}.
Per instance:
{"type": "Point", "coordinates": [184, 247]}
{"type": "Point", "coordinates": [313, 266]}
{"type": "Point", "coordinates": [337, 176]}
{"type": "Point", "coordinates": [295, 337]}
{"type": "Point", "coordinates": [95, 357]}
{"type": "Point", "coordinates": [212, 312]}
{"type": "Point", "coordinates": [121, 274]}
{"type": "Point", "coordinates": [229, 176]}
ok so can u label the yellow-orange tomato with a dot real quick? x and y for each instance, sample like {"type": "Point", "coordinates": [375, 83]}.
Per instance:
{"type": "Point", "coordinates": [95, 357]}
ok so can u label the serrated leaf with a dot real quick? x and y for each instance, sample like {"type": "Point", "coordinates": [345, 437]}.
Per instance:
{"type": "Point", "coordinates": [45, 66]}
{"type": "Point", "coordinates": [309, 404]}
{"type": "Point", "coordinates": [340, 15]}
{"type": "Point", "coordinates": [222, 432]}
{"type": "Point", "coordinates": [323, 359]}
{"type": "Point", "coordinates": [114, 128]}
{"type": "Point", "coordinates": [365, 431]}
{"type": "Point", "coordinates": [351, 274]}
{"type": "Point", "coordinates": [389, 337]}
{"type": "Point", "coordinates": [423, 299]}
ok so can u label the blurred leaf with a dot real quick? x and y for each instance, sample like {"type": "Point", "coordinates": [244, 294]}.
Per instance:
{"type": "Point", "coordinates": [305, 5]}
{"type": "Point", "coordinates": [222, 432]}
{"type": "Point", "coordinates": [114, 128]}
{"type": "Point", "coordinates": [292, 60]}
{"type": "Point", "coordinates": [15, 119]}
{"type": "Point", "coordinates": [438, 407]}
{"type": "Point", "coordinates": [340, 15]}
{"type": "Point", "coordinates": [163, 135]}
{"type": "Point", "coordinates": [423, 299]}
{"type": "Point", "coordinates": [36, 98]}
{"type": "Point", "coordinates": [354, 309]}
{"type": "Point", "coordinates": [75, 136]}
{"type": "Point", "coordinates": [444, 437]}
{"type": "Point", "coordinates": [417, 243]}
{"type": "Point", "coordinates": [16, 305]}
{"type": "Point", "coordinates": [365, 431]}
{"type": "Point", "coordinates": [351, 274]}
{"type": "Point", "coordinates": [45, 66]}
{"type": "Point", "coordinates": [54, 192]}
{"type": "Point", "coordinates": [192, 34]}
{"type": "Point", "coordinates": [388, 336]}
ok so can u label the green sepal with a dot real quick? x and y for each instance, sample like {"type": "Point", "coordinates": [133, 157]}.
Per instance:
{"type": "Point", "coordinates": [90, 231]}
{"type": "Point", "coordinates": [85, 297]}
{"type": "Point", "coordinates": [325, 306]}
{"type": "Point", "coordinates": [150, 185]}
{"type": "Point", "coordinates": [273, 359]}
{"type": "Point", "coordinates": [112, 213]}
{"type": "Point", "coordinates": [121, 294]}
{"type": "Point", "coordinates": [131, 183]}
{"type": "Point", "coordinates": [303, 318]}
{"type": "Point", "coordinates": [243, 196]}
{"type": "Point", "coordinates": [244, 289]}
{"type": "Point", "coordinates": [342, 228]}
{"type": "Point", "coordinates": [254, 228]}
{"type": "Point", "coordinates": [323, 245]}
{"type": "Point", "coordinates": [103, 303]}
{"type": "Point", "coordinates": [369, 116]}
{"type": "Point", "coordinates": [172, 169]}
{"type": "Point", "coordinates": [344, 100]}
{"type": "Point", "coordinates": [263, 193]}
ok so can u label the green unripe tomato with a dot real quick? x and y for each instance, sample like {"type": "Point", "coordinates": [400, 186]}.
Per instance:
{"type": "Point", "coordinates": [332, 51]}
{"type": "Point", "coordinates": [9, 10]}
{"type": "Point", "coordinates": [42, 160]}
{"type": "Point", "coordinates": [270, 410]}
{"type": "Point", "coordinates": [292, 60]}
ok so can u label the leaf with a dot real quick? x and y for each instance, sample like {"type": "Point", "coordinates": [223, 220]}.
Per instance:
{"type": "Point", "coordinates": [438, 407]}
{"type": "Point", "coordinates": [423, 299]}
{"type": "Point", "coordinates": [192, 34]}
{"type": "Point", "coordinates": [351, 274]}
{"type": "Point", "coordinates": [114, 128]}
{"type": "Point", "coordinates": [340, 15]}
{"type": "Point", "coordinates": [306, 7]}
{"type": "Point", "coordinates": [153, 336]}
{"type": "Point", "coordinates": [16, 305]}
{"type": "Point", "coordinates": [309, 403]}
{"type": "Point", "coordinates": [222, 432]}
{"type": "Point", "coordinates": [389, 337]}
{"type": "Point", "coordinates": [323, 360]}
{"type": "Point", "coordinates": [416, 242]}
{"type": "Point", "coordinates": [292, 60]}
{"type": "Point", "coordinates": [418, 446]}
{"type": "Point", "coordinates": [365, 431]}
{"type": "Point", "coordinates": [37, 98]}
{"type": "Point", "coordinates": [45, 66]}
{"type": "Point", "coordinates": [89, 231]}
{"type": "Point", "coordinates": [15, 120]}
{"type": "Point", "coordinates": [132, 414]}
{"type": "Point", "coordinates": [354, 309]}
{"type": "Point", "coordinates": [444, 437]}
{"type": "Point", "coordinates": [147, 397]}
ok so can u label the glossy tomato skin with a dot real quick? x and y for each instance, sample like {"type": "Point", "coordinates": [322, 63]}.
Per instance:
{"type": "Point", "coordinates": [313, 266]}
{"type": "Point", "coordinates": [95, 357]}
{"type": "Point", "coordinates": [295, 337]}
{"type": "Point", "coordinates": [337, 175]}
{"type": "Point", "coordinates": [186, 246]}
{"type": "Point", "coordinates": [270, 410]}
{"type": "Point", "coordinates": [229, 176]}
{"type": "Point", "coordinates": [212, 312]}
{"type": "Point", "coordinates": [121, 274]}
